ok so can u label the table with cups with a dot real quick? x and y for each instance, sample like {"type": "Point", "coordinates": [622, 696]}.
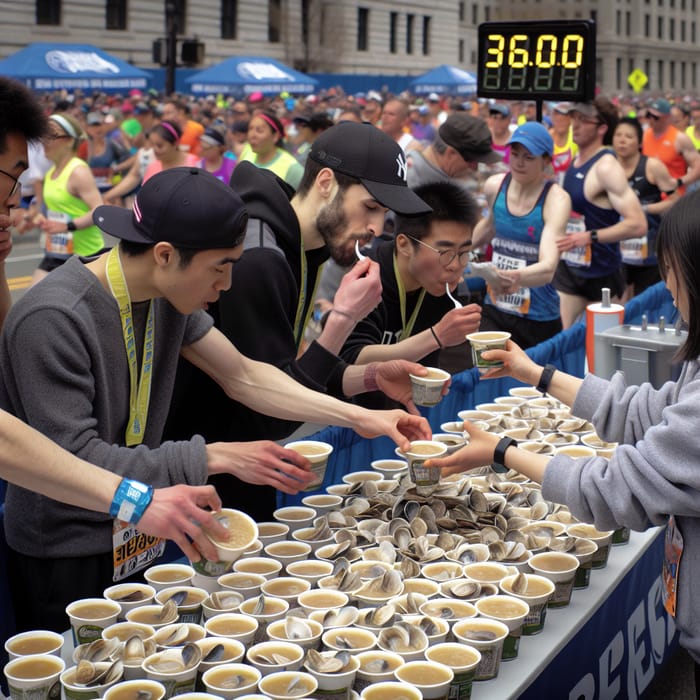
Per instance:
{"type": "Point", "coordinates": [393, 583]}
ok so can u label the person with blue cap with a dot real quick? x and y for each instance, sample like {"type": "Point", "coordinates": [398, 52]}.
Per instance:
{"type": "Point", "coordinates": [528, 213]}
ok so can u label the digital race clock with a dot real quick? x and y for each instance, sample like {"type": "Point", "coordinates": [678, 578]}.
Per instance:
{"type": "Point", "coordinates": [537, 60]}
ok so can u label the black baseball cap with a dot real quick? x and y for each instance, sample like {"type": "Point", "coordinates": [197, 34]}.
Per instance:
{"type": "Point", "coordinates": [470, 136]}
{"type": "Point", "coordinates": [187, 207]}
{"type": "Point", "coordinates": [365, 152]}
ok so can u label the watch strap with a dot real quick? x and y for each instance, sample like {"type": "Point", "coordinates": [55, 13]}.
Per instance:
{"type": "Point", "coordinates": [545, 378]}
{"type": "Point", "coordinates": [594, 236]}
{"type": "Point", "coordinates": [499, 454]}
{"type": "Point", "coordinates": [70, 226]}
{"type": "Point", "coordinates": [131, 500]}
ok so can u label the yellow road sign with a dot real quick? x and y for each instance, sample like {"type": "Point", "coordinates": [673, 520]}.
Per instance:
{"type": "Point", "coordinates": [637, 79]}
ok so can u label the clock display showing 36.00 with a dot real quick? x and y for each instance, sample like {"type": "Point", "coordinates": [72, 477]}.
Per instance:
{"type": "Point", "coordinates": [533, 60]}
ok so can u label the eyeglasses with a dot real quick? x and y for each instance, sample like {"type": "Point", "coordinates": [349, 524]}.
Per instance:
{"type": "Point", "coordinates": [15, 186]}
{"type": "Point", "coordinates": [446, 257]}
{"type": "Point", "coordinates": [55, 137]}
{"type": "Point", "coordinates": [655, 117]}
{"type": "Point", "coordinates": [578, 117]}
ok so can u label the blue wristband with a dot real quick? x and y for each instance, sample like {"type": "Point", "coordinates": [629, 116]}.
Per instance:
{"type": "Point", "coordinates": [131, 500]}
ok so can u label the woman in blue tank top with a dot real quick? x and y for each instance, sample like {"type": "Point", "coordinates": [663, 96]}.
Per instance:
{"type": "Point", "coordinates": [527, 213]}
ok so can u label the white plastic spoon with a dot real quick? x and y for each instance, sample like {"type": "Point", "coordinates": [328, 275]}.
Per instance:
{"type": "Point", "coordinates": [458, 304]}
{"type": "Point", "coordinates": [360, 256]}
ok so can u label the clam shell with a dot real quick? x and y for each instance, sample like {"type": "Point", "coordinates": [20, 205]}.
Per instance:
{"type": "Point", "coordinates": [99, 650]}
{"type": "Point", "coordinates": [297, 628]}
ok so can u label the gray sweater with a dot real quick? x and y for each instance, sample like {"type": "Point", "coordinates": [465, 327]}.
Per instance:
{"type": "Point", "coordinates": [63, 370]}
{"type": "Point", "coordinates": [654, 473]}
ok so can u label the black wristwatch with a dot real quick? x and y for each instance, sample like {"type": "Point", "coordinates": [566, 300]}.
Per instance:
{"type": "Point", "coordinates": [594, 236]}
{"type": "Point", "coordinates": [499, 454]}
{"type": "Point", "coordinates": [680, 182]}
{"type": "Point", "coordinates": [70, 226]}
{"type": "Point", "coordinates": [545, 378]}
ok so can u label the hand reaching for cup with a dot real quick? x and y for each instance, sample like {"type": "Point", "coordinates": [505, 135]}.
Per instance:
{"type": "Point", "coordinates": [457, 323]}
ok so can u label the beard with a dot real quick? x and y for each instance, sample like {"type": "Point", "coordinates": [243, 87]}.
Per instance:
{"type": "Point", "coordinates": [331, 222]}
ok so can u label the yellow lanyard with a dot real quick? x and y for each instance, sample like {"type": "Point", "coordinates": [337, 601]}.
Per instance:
{"type": "Point", "coordinates": [139, 389]}
{"type": "Point", "coordinates": [301, 320]}
{"type": "Point", "coordinates": [407, 328]}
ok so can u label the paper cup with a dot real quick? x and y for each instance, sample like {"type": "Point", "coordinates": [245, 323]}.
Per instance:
{"type": "Point", "coordinates": [427, 390]}
{"type": "Point", "coordinates": [511, 612]}
{"type": "Point", "coordinates": [272, 657]}
{"type": "Point", "coordinates": [602, 538]}
{"type": "Point", "coordinates": [375, 666]}
{"type": "Point", "coordinates": [335, 684]}
{"type": "Point", "coordinates": [487, 636]}
{"type": "Point", "coordinates": [425, 478]}
{"type": "Point", "coordinates": [89, 616]}
{"type": "Point", "coordinates": [245, 582]}
{"type": "Point", "coordinates": [560, 568]}
{"type": "Point", "coordinates": [269, 532]}
{"type": "Point", "coordinates": [133, 690]}
{"type": "Point", "coordinates": [391, 690]}
{"type": "Point", "coordinates": [175, 682]}
{"type": "Point", "coordinates": [431, 678]}
{"type": "Point", "coordinates": [539, 590]}
{"type": "Point", "coordinates": [165, 575]}
{"type": "Point", "coordinates": [264, 566]}
{"type": "Point", "coordinates": [232, 652]}
{"type": "Point", "coordinates": [286, 587]}
{"type": "Point", "coordinates": [310, 570]}
{"type": "Point", "coordinates": [231, 680]}
{"type": "Point", "coordinates": [310, 631]}
{"type": "Point", "coordinates": [190, 610]}
{"type": "Point", "coordinates": [35, 676]}
{"type": "Point", "coordinates": [390, 468]}
{"type": "Point", "coordinates": [75, 691]}
{"type": "Point", "coordinates": [483, 341]}
{"type": "Point", "coordinates": [34, 642]}
{"type": "Point", "coordinates": [130, 596]}
{"type": "Point", "coordinates": [277, 685]}
{"type": "Point", "coordinates": [233, 626]}
{"type": "Point", "coordinates": [463, 660]}
{"type": "Point", "coordinates": [317, 453]}
{"type": "Point", "coordinates": [295, 516]}
{"type": "Point", "coordinates": [274, 609]}
{"type": "Point", "coordinates": [322, 503]}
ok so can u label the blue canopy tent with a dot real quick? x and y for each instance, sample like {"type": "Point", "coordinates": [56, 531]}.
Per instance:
{"type": "Point", "coordinates": [445, 80]}
{"type": "Point", "coordinates": [50, 66]}
{"type": "Point", "coordinates": [242, 75]}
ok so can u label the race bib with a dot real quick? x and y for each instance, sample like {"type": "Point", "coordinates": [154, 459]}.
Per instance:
{"type": "Point", "coordinates": [634, 250]}
{"type": "Point", "coordinates": [103, 177]}
{"type": "Point", "coordinates": [673, 550]}
{"type": "Point", "coordinates": [59, 245]}
{"type": "Point", "coordinates": [581, 255]}
{"type": "Point", "coordinates": [132, 550]}
{"type": "Point", "coordinates": [515, 302]}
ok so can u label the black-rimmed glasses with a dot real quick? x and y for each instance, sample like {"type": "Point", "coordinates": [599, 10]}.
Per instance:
{"type": "Point", "coordinates": [446, 257]}
{"type": "Point", "coordinates": [15, 186]}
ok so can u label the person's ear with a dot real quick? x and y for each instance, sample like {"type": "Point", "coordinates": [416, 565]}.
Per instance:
{"type": "Point", "coordinates": [163, 253]}
{"type": "Point", "coordinates": [404, 245]}
{"type": "Point", "coordinates": [326, 184]}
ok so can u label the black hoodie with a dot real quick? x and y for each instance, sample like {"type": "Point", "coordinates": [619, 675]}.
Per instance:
{"type": "Point", "coordinates": [258, 315]}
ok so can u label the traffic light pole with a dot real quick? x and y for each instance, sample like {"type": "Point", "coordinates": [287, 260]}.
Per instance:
{"type": "Point", "coordinates": [171, 43]}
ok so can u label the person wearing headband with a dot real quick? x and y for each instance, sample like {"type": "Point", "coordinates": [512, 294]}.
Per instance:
{"type": "Point", "coordinates": [164, 139]}
{"type": "Point", "coordinates": [266, 148]}
{"type": "Point", "coordinates": [70, 195]}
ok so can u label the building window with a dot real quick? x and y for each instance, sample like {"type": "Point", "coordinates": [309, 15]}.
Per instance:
{"type": "Point", "coordinates": [671, 29]}
{"type": "Point", "coordinates": [409, 33]}
{"type": "Point", "coordinates": [594, 15]}
{"type": "Point", "coordinates": [116, 14]}
{"type": "Point", "coordinates": [618, 72]}
{"type": "Point", "coordinates": [683, 73]}
{"type": "Point", "coordinates": [628, 23]}
{"type": "Point", "coordinates": [460, 51]}
{"type": "Point", "coordinates": [647, 67]}
{"type": "Point", "coordinates": [672, 73]}
{"type": "Point", "coordinates": [487, 13]}
{"type": "Point", "coordinates": [660, 28]}
{"type": "Point", "coordinates": [475, 14]}
{"type": "Point", "coordinates": [647, 25]}
{"type": "Point", "coordinates": [426, 35]}
{"type": "Point", "coordinates": [692, 32]}
{"type": "Point", "coordinates": [229, 19]}
{"type": "Point", "coordinates": [393, 29]}
{"type": "Point", "coordinates": [48, 12]}
{"type": "Point", "coordinates": [660, 69]}
{"type": "Point", "coordinates": [362, 29]}
{"type": "Point", "coordinates": [176, 10]}
{"type": "Point", "coordinates": [461, 12]}
{"type": "Point", "coordinates": [305, 21]}
{"type": "Point", "coordinates": [618, 22]}
{"type": "Point", "coordinates": [682, 30]}
{"type": "Point", "coordinates": [274, 21]}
